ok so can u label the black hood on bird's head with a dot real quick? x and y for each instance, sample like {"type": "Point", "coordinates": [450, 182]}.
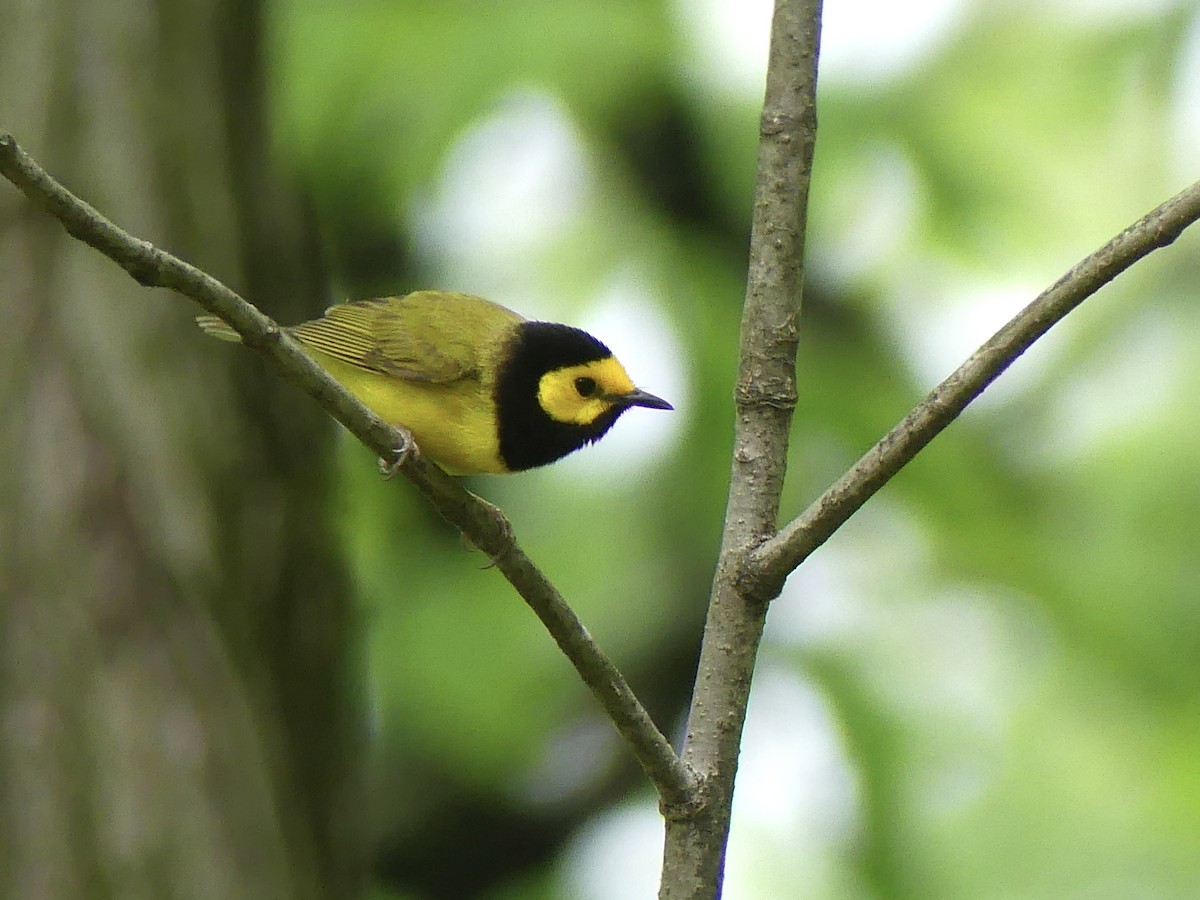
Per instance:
{"type": "Point", "coordinates": [549, 346]}
{"type": "Point", "coordinates": [528, 436]}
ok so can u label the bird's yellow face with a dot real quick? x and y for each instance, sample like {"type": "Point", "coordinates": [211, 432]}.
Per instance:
{"type": "Point", "coordinates": [581, 394]}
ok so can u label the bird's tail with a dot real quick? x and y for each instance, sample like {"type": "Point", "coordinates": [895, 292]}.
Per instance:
{"type": "Point", "coordinates": [214, 327]}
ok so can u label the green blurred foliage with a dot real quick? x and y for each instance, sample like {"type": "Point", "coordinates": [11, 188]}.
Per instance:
{"type": "Point", "coordinates": [1005, 640]}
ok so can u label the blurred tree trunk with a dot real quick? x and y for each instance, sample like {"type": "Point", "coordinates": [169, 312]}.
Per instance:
{"type": "Point", "coordinates": [178, 704]}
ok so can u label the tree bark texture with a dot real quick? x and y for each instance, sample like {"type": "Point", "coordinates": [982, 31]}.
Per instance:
{"type": "Point", "coordinates": [765, 395]}
{"type": "Point", "coordinates": [178, 710]}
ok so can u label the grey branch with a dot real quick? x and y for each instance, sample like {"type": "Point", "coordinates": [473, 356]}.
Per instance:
{"type": "Point", "coordinates": [765, 398]}
{"type": "Point", "coordinates": [483, 524]}
{"type": "Point", "coordinates": [766, 569]}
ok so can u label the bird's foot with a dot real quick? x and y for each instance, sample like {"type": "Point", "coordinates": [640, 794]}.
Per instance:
{"type": "Point", "coordinates": [389, 467]}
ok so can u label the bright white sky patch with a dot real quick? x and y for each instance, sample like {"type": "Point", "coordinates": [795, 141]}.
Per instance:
{"type": "Point", "coordinates": [729, 41]}
{"type": "Point", "coordinates": [1124, 387]}
{"type": "Point", "coordinates": [511, 185]}
{"type": "Point", "coordinates": [794, 775]}
{"type": "Point", "coordinates": [1185, 107]}
{"type": "Point", "coordinates": [875, 40]}
{"type": "Point", "coordinates": [943, 321]}
{"type": "Point", "coordinates": [1104, 13]}
{"type": "Point", "coordinates": [861, 40]}
{"type": "Point", "coordinates": [616, 856]}
{"type": "Point", "coordinates": [869, 217]}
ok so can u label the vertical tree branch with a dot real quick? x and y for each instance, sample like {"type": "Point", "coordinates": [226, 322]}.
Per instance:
{"type": "Point", "coordinates": [765, 398]}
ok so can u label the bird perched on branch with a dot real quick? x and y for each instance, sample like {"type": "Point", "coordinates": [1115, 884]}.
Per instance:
{"type": "Point", "coordinates": [480, 388]}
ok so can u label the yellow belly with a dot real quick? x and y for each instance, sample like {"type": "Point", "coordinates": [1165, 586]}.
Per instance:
{"type": "Point", "coordinates": [454, 423]}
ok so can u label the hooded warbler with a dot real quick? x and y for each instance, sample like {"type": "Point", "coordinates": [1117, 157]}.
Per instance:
{"type": "Point", "coordinates": [481, 389]}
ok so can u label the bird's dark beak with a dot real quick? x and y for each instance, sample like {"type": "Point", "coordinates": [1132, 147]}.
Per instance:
{"type": "Point", "coordinates": [642, 398]}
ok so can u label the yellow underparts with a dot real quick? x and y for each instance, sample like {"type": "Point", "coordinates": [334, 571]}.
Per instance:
{"type": "Point", "coordinates": [453, 423]}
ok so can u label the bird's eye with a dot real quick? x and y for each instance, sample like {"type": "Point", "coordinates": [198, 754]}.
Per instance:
{"type": "Point", "coordinates": [585, 386]}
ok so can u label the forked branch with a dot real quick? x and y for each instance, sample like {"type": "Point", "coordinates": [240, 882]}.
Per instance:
{"type": "Point", "coordinates": [766, 569]}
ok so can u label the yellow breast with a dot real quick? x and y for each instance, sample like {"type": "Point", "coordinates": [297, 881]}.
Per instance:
{"type": "Point", "coordinates": [453, 423]}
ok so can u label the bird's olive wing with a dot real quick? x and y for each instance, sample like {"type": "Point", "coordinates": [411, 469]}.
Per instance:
{"type": "Point", "coordinates": [392, 337]}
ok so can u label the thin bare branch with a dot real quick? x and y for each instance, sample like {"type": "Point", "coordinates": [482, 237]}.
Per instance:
{"type": "Point", "coordinates": [771, 563]}
{"type": "Point", "coordinates": [482, 523]}
{"type": "Point", "coordinates": [765, 398]}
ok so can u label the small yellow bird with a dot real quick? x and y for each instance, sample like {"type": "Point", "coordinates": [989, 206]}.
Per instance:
{"type": "Point", "coordinates": [482, 389]}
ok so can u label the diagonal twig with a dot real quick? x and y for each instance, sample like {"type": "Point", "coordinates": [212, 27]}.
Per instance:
{"type": "Point", "coordinates": [767, 567]}
{"type": "Point", "coordinates": [483, 524]}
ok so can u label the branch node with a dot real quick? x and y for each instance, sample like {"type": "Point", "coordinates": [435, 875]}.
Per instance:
{"type": "Point", "coordinates": [690, 799]}
{"type": "Point", "coordinates": [754, 582]}
{"type": "Point", "coordinates": [760, 391]}
{"type": "Point", "coordinates": [145, 268]}
{"type": "Point", "coordinates": [774, 122]}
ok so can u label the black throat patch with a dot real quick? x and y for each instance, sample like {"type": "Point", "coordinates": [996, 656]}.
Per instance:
{"type": "Point", "coordinates": [528, 436]}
